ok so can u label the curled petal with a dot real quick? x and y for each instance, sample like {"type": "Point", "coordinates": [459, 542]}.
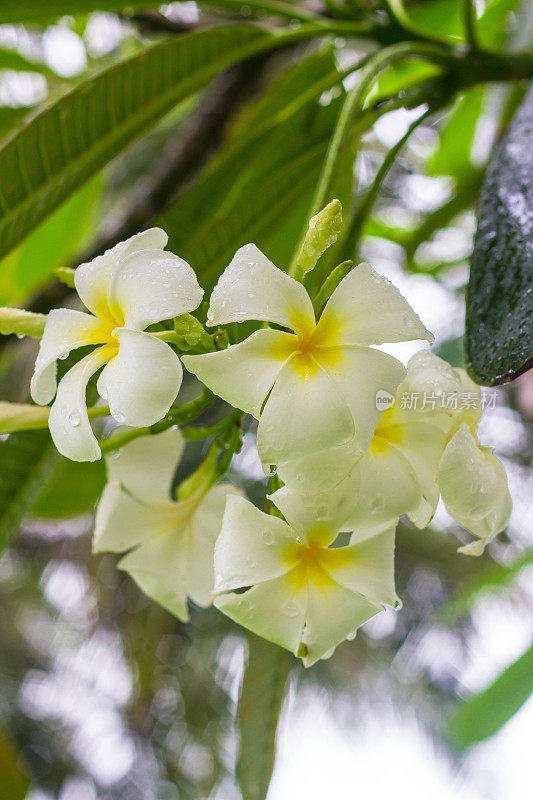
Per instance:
{"type": "Point", "coordinates": [251, 546]}
{"type": "Point", "coordinates": [251, 287]}
{"type": "Point", "coordinates": [474, 489]}
{"type": "Point", "coordinates": [366, 308]}
{"type": "Point", "coordinates": [93, 279]}
{"type": "Point", "coordinates": [122, 522]}
{"type": "Point", "coordinates": [360, 375]}
{"type": "Point", "coordinates": [68, 421]}
{"type": "Point", "coordinates": [65, 330]}
{"type": "Point", "coordinates": [143, 379]}
{"type": "Point", "coordinates": [304, 414]}
{"type": "Point", "coordinates": [244, 373]}
{"type": "Point", "coordinates": [326, 513]}
{"type": "Point", "coordinates": [146, 466]}
{"type": "Point", "coordinates": [150, 286]}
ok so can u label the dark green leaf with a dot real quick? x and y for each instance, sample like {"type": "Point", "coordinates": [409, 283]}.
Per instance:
{"type": "Point", "coordinates": [27, 461]}
{"type": "Point", "coordinates": [58, 150]}
{"type": "Point", "coordinates": [484, 714]}
{"type": "Point", "coordinates": [262, 694]}
{"type": "Point", "coordinates": [74, 489]}
{"type": "Point", "coordinates": [499, 317]}
{"type": "Point", "coordinates": [453, 156]}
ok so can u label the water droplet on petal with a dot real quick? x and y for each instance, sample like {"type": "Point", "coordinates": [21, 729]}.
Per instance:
{"type": "Point", "coordinates": [74, 418]}
{"type": "Point", "coordinates": [289, 610]}
{"type": "Point", "coordinates": [119, 416]}
{"type": "Point", "coordinates": [268, 537]}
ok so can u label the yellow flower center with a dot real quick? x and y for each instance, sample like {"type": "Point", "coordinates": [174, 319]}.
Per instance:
{"type": "Point", "coordinates": [387, 433]}
{"type": "Point", "coordinates": [311, 560]}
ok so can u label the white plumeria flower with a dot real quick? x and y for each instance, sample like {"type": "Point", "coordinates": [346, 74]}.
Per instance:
{"type": "Point", "coordinates": [426, 445]}
{"type": "Point", "coordinates": [319, 380]}
{"type": "Point", "coordinates": [171, 542]}
{"type": "Point", "coordinates": [300, 592]}
{"type": "Point", "coordinates": [130, 287]}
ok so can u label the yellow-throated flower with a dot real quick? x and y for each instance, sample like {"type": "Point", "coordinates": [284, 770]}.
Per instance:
{"type": "Point", "coordinates": [313, 385]}
{"type": "Point", "coordinates": [129, 288]}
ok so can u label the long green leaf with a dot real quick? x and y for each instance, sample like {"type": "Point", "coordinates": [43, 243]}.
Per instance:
{"type": "Point", "coordinates": [57, 151]}
{"type": "Point", "coordinates": [262, 694]}
{"type": "Point", "coordinates": [27, 460]}
{"type": "Point", "coordinates": [485, 713]}
{"type": "Point", "coordinates": [499, 313]}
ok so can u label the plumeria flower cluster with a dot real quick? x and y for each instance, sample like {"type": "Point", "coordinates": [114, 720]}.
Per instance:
{"type": "Point", "coordinates": [320, 563]}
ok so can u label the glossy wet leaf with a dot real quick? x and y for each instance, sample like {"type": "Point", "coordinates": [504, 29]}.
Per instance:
{"type": "Point", "coordinates": [499, 318]}
{"type": "Point", "coordinates": [74, 489]}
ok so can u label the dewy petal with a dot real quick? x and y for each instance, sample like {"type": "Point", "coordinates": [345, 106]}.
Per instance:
{"type": "Point", "coordinates": [146, 466]}
{"type": "Point", "coordinates": [251, 287]}
{"type": "Point", "coordinates": [366, 308]}
{"type": "Point", "coordinates": [204, 530]}
{"type": "Point", "coordinates": [388, 488]}
{"type": "Point", "coordinates": [92, 280]}
{"type": "Point", "coordinates": [65, 330]}
{"type": "Point", "coordinates": [359, 374]}
{"type": "Point", "coordinates": [366, 566]}
{"type": "Point", "coordinates": [274, 610]}
{"type": "Point", "coordinates": [333, 613]}
{"type": "Point", "coordinates": [474, 489]}
{"type": "Point", "coordinates": [303, 414]}
{"type": "Point", "coordinates": [243, 374]}
{"type": "Point", "coordinates": [122, 522]}
{"type": "Point", "coordinates": [150, 286]}
{"type": "Point", "coordinates": [142, 381]}
{"type": "Point", "coordinates": [320, 471]}
{"type": "Point", "coordinates": [68, 421]}
{"type": "Point", "coordinates": [159, 567]}
{"type": "Point", "coordinates": [328, 511]}
{"type": "Point", "coordinates": [251, 546]}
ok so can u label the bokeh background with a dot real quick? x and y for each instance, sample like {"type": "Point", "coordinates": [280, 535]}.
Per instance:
{"type": "Point", "coordinates": [105, 695]}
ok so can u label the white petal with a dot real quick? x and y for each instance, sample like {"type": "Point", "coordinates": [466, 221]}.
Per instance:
{"type": "Point", "coordinates": [474, 488]}
{"type": "Point", "coordinates": [205, 528]}
{"type": "Point", "coordinates": [92, 280]}
{"type": "Point", "coordinates": [333, 613]}
{"type": "Point", "coordinates": [68, 420]}
{"type": "Point", "coordinates": [159, 567]}
{"type": "Point", "coordinates": [243, 374]}
{"type": "Point", "coordinates": [388, 488]}
{"type": "Point", "coordinates": [251, 545]}
{"type": "Point", "coordinates": [152, 285]}
{"type": "Point", "coordinates": [65, 330]}
{"type": "Point", "coordinates": [320, 471]}
{"type": "Point", "coordinates": [146, 466]}
{"type": "Point", "coordinates": [303, 414]}
{"type": "Point", "coordinates": [359, 374]}
{"type": "Point", "coordinates": [330, 510]}
{"type": "Point", "coordinates": [122, 522]}
{"type": "Point", "coordinates": [366, 566]}
{"type": "Point", "coordinates": [251, 287]}
{"type": "Point", "coordinates": [428, 393]}
{"type": "Point", "coordinates": [366, 308]}
{"type": "Point", "coordinates": [470, 403]}
{"type": "Point", "coordinates": [274, 610]}
{"type": "Point", "coordinates": [142, 381]}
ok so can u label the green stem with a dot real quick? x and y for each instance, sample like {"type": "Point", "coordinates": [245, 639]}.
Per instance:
{"type": "Point", "coordinates": [469, 21]}
{"type": "Point", "coordinates": [353, 103]}
{"type": "Point", "coordinates": [353, 234]}
{"type": "Point", "coordinates": [176, 416]}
